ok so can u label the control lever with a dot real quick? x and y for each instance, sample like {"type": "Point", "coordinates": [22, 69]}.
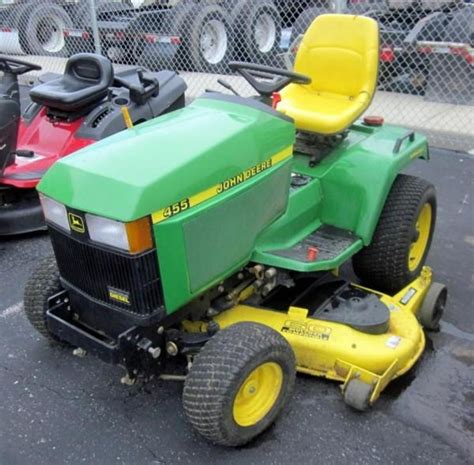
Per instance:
{"type": "Point", "coordinates": [227, 86]}
{"type": "Point", "coordinates": [141, 77]}
{"type": "Point", "coordinates": [149, 87]}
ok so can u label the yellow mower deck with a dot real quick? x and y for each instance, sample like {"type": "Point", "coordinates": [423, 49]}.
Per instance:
{"type": "Point", "coordinates": [339, 352]}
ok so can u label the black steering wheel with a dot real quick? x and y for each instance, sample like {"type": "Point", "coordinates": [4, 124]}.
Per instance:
{"type": "Point", "coordinates": [16, 67]}
{"type": "Point", "coordinates": [274, 79]}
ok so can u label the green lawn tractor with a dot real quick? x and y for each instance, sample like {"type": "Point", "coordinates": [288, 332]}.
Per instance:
{"type": "Point", "coordinates": [212, 253]}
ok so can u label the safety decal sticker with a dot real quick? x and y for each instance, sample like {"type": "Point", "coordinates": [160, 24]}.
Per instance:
{"type": "Point", "coordinates": [189, 202]}
{"type": "Point", "coordinates": [408, 296]}
{"type": "Point", "coordinates": [393, 342]}
{"type": "Point", "coordinates": [303, 329]}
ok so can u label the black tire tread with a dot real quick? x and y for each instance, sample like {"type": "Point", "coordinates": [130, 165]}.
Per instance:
{"type": "Point", "coordinates": [217, 370]}
{"type": "Point", "coordinates": [43, 283]}
{"type": "Point", "coordinates": [383, 264]}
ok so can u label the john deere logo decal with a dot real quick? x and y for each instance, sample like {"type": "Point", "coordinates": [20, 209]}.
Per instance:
{"type": "Point", "coordinates": [76, 223]}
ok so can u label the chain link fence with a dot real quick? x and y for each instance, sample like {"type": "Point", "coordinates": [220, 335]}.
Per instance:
{"type": "Point", "coordinates": [426, 55]}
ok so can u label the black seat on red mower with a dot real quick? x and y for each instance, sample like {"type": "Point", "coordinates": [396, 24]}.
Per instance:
{"type": "Point", "coordinates": [85, 81]}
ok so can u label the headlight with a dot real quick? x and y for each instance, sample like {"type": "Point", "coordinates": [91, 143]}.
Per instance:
{"type": "Point", "coordinates": [55, 212]}
{"type": "Point", "coordinates": [134, 237]}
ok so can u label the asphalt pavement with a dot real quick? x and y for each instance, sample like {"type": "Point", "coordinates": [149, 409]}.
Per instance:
{"type": "Point", "coordinates": [57, 409]}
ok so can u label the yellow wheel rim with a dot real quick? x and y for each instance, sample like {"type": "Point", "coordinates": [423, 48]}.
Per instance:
{"type": "Point", "coordinates": [418, 246]}
{"type": "Point", "coordinates": [257, 394]}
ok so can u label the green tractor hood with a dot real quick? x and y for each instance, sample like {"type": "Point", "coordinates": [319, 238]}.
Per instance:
{"type": "Point", "coordinates": [139, 171]}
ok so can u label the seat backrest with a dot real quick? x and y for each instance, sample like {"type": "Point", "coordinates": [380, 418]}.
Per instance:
{"type": "Point", "coordinates": [340, 53]}
{"type": "Point", "coordinates": [92, 68]}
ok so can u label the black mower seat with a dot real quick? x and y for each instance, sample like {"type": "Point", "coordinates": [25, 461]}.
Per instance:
{"type": "Point", "coordinates": [86, 80]}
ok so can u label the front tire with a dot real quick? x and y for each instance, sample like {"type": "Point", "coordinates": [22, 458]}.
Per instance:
{"type": "Point", "coordinates": [42, 284]}
{"type": "Point", "coordinates": [239, 383]}
{"type": "Point", "coordinates": [402, 238]}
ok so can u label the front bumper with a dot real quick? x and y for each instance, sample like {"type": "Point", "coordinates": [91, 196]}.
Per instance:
{"type": "Point", "coordinates": [113, 339]}
{"type": "Point", "coordinates": [21, 217]}
{"type": "Point", "coordinates": [61, 324]}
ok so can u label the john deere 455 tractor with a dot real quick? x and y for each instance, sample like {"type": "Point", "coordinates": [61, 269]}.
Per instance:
{"type": "Point", "coordinates": [206, 242]}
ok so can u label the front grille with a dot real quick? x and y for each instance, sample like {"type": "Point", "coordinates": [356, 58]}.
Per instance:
{"type": "Point", "coordinates": [95, 271]}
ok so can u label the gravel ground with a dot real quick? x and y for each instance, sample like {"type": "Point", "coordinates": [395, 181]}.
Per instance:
{"type": "Point", "coordinates": [57, 409]}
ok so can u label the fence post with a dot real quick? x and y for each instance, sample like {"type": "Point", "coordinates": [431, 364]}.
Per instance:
{"type": "Point", "coordinates": [339, 6]}
{"type": "Point", "coordinates": [95, 27]}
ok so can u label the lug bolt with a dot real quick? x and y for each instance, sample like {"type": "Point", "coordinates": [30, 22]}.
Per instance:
{"type": "Point", "coordinates": [171, 348]}
{"type": "Point", "coordinates": [79, 352]}
{"type": "Point", "coordinates": [270, 273]}
{"type": "Point", "coordinates": [267, 289]}
{"type": "Point", "coordinates": [160, 330]}
{"type": "Point", "coordinates": [155, 352]}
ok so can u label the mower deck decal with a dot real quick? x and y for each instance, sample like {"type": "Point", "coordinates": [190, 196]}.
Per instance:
{"type": "Point", "coordinates": [189, 202]}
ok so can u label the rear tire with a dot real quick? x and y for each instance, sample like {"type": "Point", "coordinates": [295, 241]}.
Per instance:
{"type": "Point", "coordinates": [209, 42]}
{"type": "Point", "coordinates": [256, 27]}
{"type": "Point", "coordinates": [239, 383]}
{"type": "Point", "coordinates": [42, 30]}
{"type": "Point", "coordinates": [42, 284]}
{"type": "Point", "coordinates": [402, 238]}
{"type": "Point", "coordinates": [304, 20]}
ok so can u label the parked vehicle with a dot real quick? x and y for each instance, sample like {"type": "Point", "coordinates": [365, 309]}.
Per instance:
{"type": "Point", "coordinates": [423, 46]}
{"type": "Point", "coordinates": [67, 113]}
{"type": "Point", "coordinates": [211, 260]}
{"type": "Point", "coordinates": [36, 27]}
{"type": "Point", "coordinates": [187, 34]}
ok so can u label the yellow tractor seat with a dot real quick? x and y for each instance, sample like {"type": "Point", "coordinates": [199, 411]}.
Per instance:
{"type": "Point", "coordinates": [340, 53]}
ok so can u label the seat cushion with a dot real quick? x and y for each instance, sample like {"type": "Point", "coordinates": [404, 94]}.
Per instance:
{"type": "Point", "coordinates": [321, 113]}
{"type": "Point", "coordinates": [67, 94]}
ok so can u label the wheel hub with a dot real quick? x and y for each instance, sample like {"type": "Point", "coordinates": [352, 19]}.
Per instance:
{"type": "Point", "coordinates": [257, 394]}
{"type": "Point", "coordinates": [50, 34]}
{"type": "Point", "coordinates": [213, 41]}
{"type": "Point", "coordinates": [265, 32]}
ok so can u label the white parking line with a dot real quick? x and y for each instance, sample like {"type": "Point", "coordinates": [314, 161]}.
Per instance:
{"type": "Point", "coordinates": [12, 310]}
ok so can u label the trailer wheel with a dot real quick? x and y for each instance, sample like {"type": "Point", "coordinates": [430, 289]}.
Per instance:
{"type": "Point", "coordinates": [402, 238]}
{"type": "Point", "coordinates": [432, 308]}
{"type": "Point", "coordinates": [256, 27]}
{"type": "Point", "coordinates": [357, 394]}
{"type": "Point", "coordinates": [209, 41]}
{"type": "Point", "coordinates": [42, 30]}
{"type": "Point", "coordinates": [304, 20]}
{"type": "Point", "coordinates": [239, 383]}
{"type": "Point", "coordinates": [42, 284]}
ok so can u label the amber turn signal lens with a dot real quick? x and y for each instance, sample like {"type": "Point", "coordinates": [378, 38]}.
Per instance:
{"type": "Point", "coordinates": [139, 235]}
